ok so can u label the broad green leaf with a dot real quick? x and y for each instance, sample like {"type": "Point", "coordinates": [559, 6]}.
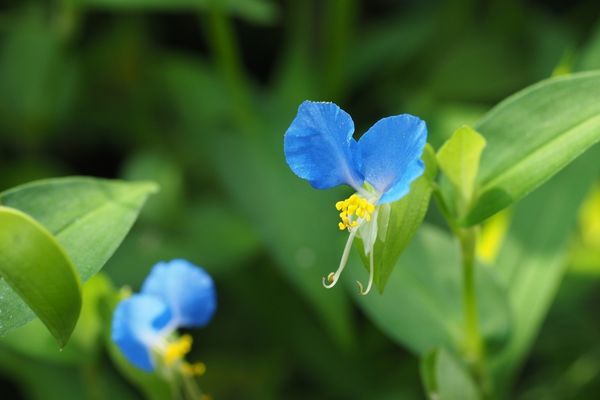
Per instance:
{"type": "Point", "coordinates": [34, 265]}
{"type": "Point", "coordinates": [88, 217]}
{"type": "Point", "coordinates": [421, 307]}
{"type": "Point", "coordinates": [531, 136]}
{"type": "Point", "coordinates": [445, 378]}
{"type": "Point", "coordinates": [398, 224]}
{"type": "Point", "coordinates": [459, 158]}
{"type": "Point", "coordinates": [533, 259]}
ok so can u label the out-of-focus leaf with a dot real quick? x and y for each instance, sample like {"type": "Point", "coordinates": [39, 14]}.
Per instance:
{"type": "Point", "coordinates": [421, 308]}
{"type": "Point", "coordinates": [186, 83]}
{"type": "Point", "coordinates": [257, 11]}
{"type": "Point", "coordinates": [44, 380]}
{"type": "Point", "coordinates": [37, 79]}
{"type": "Point", "coordinates": [590, 54]}
{"type": "Point", "coordinates": [385, 46]}
{"type": "Point", "coordinates": [295, 222]}
{"type": "Point", "coordinates": [443, 118]}
{"type": "Point", "coordinates": [88, 217]}
{"type": "Point", "coordinates": [210, 234]}
{"type": "Point", "coordinates": [534, 257]}
{"type": "Point", "coordinates": [398, 223]}
{"type": "Point", "coordinates": [166, 206]}
{"type": "Point", "coordinates": [459, 158]}
{"type": "Point", "coordinates": [445, 378]}
{"type": "Point", "coordinates": [496, 72]}
{"type": "Point", "coordinates": [531, 136]}
{"type": "Point", "coordinates": [35, 266]}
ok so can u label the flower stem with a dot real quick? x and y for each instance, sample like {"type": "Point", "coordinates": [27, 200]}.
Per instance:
{"type": "Point", "coordinates": [473, 343]}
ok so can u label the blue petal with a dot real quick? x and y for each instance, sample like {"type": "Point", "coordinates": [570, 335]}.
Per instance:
{"type": "Point", "coordinates": [187, 289]}
{"type": "Point", "coordinates": [136, 324]}
{"type": "Point", "coordinates": [388, 152]}
{"type": "Point", "coordinates": [319, 147]}
{"type": "Point", "coordinates": [402, 187]}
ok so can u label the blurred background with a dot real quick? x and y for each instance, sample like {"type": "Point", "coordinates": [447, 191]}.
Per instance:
{"type": "Point", "coordinates": [196, 95]}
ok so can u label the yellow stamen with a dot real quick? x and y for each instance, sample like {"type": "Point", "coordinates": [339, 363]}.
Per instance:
{"type": "Point", "coordinates": [176, 350]}
{"type": "Point", "coordinates": [353, 209]}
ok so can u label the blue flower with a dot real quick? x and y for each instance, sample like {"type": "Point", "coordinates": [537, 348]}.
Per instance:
{"type": "Point", "coordinates": [319, 147]}
{"type": "Point", "coordinates": [175, 294]}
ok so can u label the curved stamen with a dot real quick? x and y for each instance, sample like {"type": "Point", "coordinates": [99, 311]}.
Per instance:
{"type": "Point", "coordinates": [332, 278]}
{"type": "Point", "coordinates": [370, 284]}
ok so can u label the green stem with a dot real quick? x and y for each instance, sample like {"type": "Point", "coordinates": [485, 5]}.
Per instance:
{"type": "Point", "coordinates": [473, 345]}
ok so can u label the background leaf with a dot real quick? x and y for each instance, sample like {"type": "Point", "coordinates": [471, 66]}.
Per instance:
{"type": "Point", "coordinates": [34, 265]}
{"type": "Point", "coordinates": [533, 259]}
{"type": "Point", "coordinates": [305, 253]}
{"type": "Point", "coordinates": [445, 378]}
{"type": "Point", "coordinates": [88, 217]}
{"type": "Point", "coordinates": [421, 308]}
{"type": "Point", "coordinates": [531, 136]}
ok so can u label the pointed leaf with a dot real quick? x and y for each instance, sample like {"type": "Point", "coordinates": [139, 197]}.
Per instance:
{"type": "Point", "coordinates": [88, 217]}
{"type": "Point", "coordinates": [531, 136]}
{"type": "Point", "coordinates": [34, 265]}
{"type": "Point", "coordinates": [459, 158]}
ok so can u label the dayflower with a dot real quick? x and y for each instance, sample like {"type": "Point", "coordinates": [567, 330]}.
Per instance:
{"type": "Point", "coordinates": [319, 147]}
{"type": "Point", "coordinates": [176, 294]}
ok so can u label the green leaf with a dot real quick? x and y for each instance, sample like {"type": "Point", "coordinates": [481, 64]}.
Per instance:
{"type": "Point", "coordinates": [459, 158]}
{"type": "Point", "coordinates": [398, 226]}
{"type": "Point", "coordinates": [533, 259]}
{"type": "Point", "coordinates": [297, 224]}
{"type": "Point", "coordinates": [445, 378]}
{"type": "Point", "coordinates": [531, 136]}
{"type": "Point", "coordinates": [88, 217]}
{"type": "Point", "coordinates": [421, 308]}
{"type": "Point", "coordinates": [34, 265]}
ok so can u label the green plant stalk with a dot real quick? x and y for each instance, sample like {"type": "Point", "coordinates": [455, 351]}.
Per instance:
{"type": "Point", "coordinates": [222, 38]}
{"type": "Point", "coordinates": [473, 347]}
